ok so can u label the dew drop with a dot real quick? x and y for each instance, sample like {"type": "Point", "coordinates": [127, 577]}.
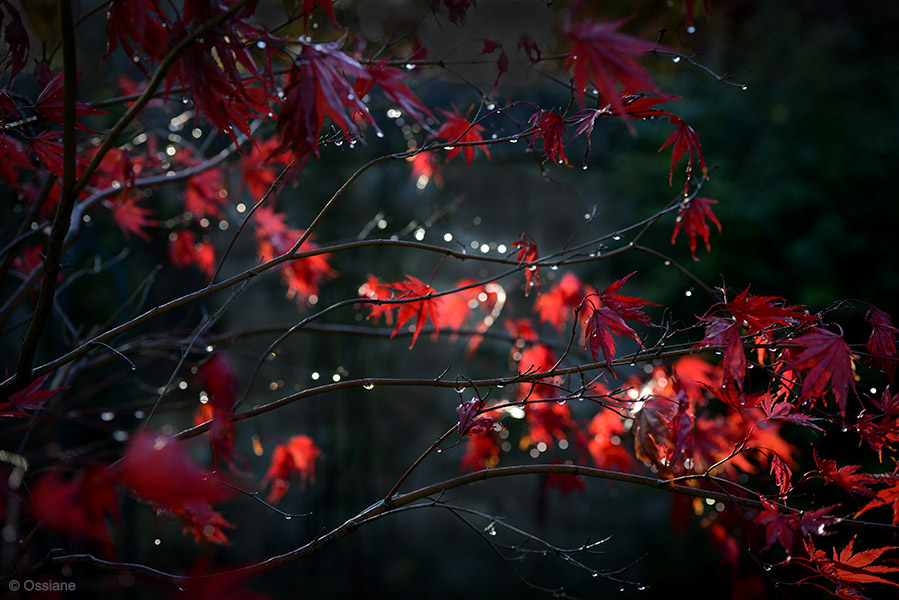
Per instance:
{"type": "Point", "coordinates": [676, 59]}
{"type": "Point", "coordinates": [594, 574]}
{"type": "Point", "coordinates": [584, 167]}
{"type": "Point", "coordinates": [380, 134]}
{"type": "Point", "coordinates": [107, 416]}
{"type": "Point", "coordinates": [617, 238]}
{"type": "Point", "coordinates": [460, 389]}
{"type": "Point", "coordinates": [439, 450]}
{"type": "Point", "coordinates": [287, 517]}
{"type": "Point", "coordinates": [690, 29]}
{"type": "Point", "coordinates": [554, 268]}
{"type": "Point", "coordinates": [514, 140]}
{"type": "Point", "coordinates": [260, 44]}
{"type": "Point", "coordinates": [744, 87]}
{"type": "Point", "coordinates": [641, 588]}
{"type": "Point", "coordinates": [368, 385]}
{"type": "Point", "coordinates": [410, 67]}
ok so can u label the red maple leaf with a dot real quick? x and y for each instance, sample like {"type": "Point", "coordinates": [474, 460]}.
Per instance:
{"type": "Point", "coordinates": [205, 194]}
{"type": "Point", "coordinates": [426, 168]}
{"type": "Point", "coordinates": [131, 218]}
{"type": "Point", "coordinates": [456, 9]}
{"type": "Point", "coordinates": [318, 87]}
{"type": "Point", "coordinates": [605, 57]}
{"type": "Point", "coordinates": [481, 452]}
{"type": "Point", "coordinates": [888, 496]}
{"type": "Point", "coordinates": [186, 251]}
{"type": "Point", "coordinates": [32, 397]}
{"type": "Point", "coordinates": [610, 318]}
{"type": "Point", "coordinates": [785, 411]}
{"type": "Point", "coordinates": [49, 103]}
{"type": "Point", "coordinates": [327, 5]}
{"type": "Point", "coordinates": [131, 21]}
{"type": "Point", "coordinates": [692, 217]}
{"type": "Point", "coordinates": [845, 477]}
{"type": "Point", "coordinates": [558, 304]}
{"type": "Point", "coordinates": [826, 358]}
{"type": "Point", "coordinates": [260, 167]}
{"type": "Point", "coordinates": [685, 141]}
{"type": "Point", "coordinates": [551, 127]}
{"type": "Point", "coordinates": [527, 43]}
{"type": "Point", "coordinates": [604, 442]}
{"type": "Point", "coordinates": [527, 253]}
{"type": "Point", "coordinates": [724, 332]}
{"type": "Point", "coordinates": [297, 455]}
{"type": "Point", "coordinates": [422, 309]}
{"type": "Point", "coordinates": [390, 82]}
{"type": "Point", "coordinates": [758, 313]}
{"type": "Point", "coordinates": [882, 343]}
{"type": "Point", "coordinates": [203, 522]}
{"type": "Point", "coordinates": [849, 567]}
{"type": "Point", "coordinates": [782, 473]}
{"type": "Point", "coordinates": [502, 61]}
{"type": "Point", "coordinates": [470, 420]}
{"type": "Point", "coordinates": [79, 505]}
{"type": "Point", "coordinates": [159, 470]}
{"type": "Point", "coordinates": [457, 130]}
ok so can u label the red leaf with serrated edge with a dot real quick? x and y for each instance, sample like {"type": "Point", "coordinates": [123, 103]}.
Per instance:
{"type": "Point", "coordinates": [849, 567]}
{"type": "Point", "coordinates": [131, 218]}
{"type": "Point", "coordinates": [629, 307]}
{"type": "Point", "coordinates": [845, 477]}
{"type": "Point", "coordinates": [186, 251]}
{"type": "Point", "coordinates": [551, 126]}
{"type": "Point", "coordinates": [204, 523]}
{"type": "Point", "coordinates": [318, 87]}
{"type": "Point", "coordinates": [782, 474]}
{"type": "Point", "coordinates": [724, 332]}
{"type": "Point", "coordinates": [426, 168]}
{"type": "Point", "coordinates": [390, 82]}
{"type": "Point", "coordinates": [643, 107]}
{"type": "Point", "coordinates": [502, 61]}
{"type": "Point", "coordinates": [458, 130]}
{"type": "Point", "coordinates": [882, 343]}
{"type": "Point", "coordinates": [205, 194]}
{"type": "Point", "coordinates": [692, 217]}
{"type": "Point", "coordinates": [888, 496]}
{"type": "Point", "coordinates": [32, 397]}
{"type": "Point", "coordinates": [527, 253]}
{"type": "Point", "coordinates": [481, 452]}
{"type": "Point", "coordinates": [826, 358]}
{"type": "Point", "coordinates": [48, 149]}
{"type": "Point", "coordinates": [684, 141]}
{"type": "Point", "coordinates": [784, 411]}
{"type": "Point", "coordinates": [422, 310]}
{"type": "Point", "coordinates": [140, 22]}
{"type": "Point", "coordinates": [49, 103]}
{"type": "Point", "coordinates": [605, 57]}
{"type": "Point", "coordinates": [758, 313]}
{"type": "Point", "coordinates": [600, 327]}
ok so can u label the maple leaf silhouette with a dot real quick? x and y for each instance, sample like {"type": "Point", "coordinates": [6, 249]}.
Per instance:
{"type": "Point", "coordinates": [882, 343]}
{"type": "Point", "coordinates": [609, 318]}
{"type": "Point", "coordinates": [692, 217]}
{"type": "Point", "coordinates": [826, 358]}
{"type": "Point", "coordinates": [845, 477]}
{"type": "Point", "coordinates": [470, 420]}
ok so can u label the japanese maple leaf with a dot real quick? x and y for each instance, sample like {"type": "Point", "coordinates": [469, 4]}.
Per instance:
{"type": "Point", "coordinates": [610, 318]}
{"type": "Point", "coordinates": [455, 130]}
{"type": "Point", "coordinates": [78, 505]}
{"type": "Point", "coordinates": [882, 343]}
{"type": "Point", "coordinates": [758, 313]}
{"type": "Point", "coordinates": [551, 126]}
{"type": "Point", "coordinates": [781, 527]}
{"type": "Point", "coordinates": [48, 149]}
{"type": "Point", "coordinates": [527, 253]}
{"type": "Point", "coordinates": [421, 310]}
{"type": "Point", "coordinates": [605, 57]}
{"type": "Point", "coordinates": [826, 358]}
{"type": "Point", "coordinates": [605, 429]}
{"type": "Point", "coordinates": [785, 411]}
{"type": "Point", "coordinates": [218, 378]}
{"type": "Point", "coordinates": [782, 474]}
{"type": "Point", "coordinates": [390, 82]}
{"type": "Point", "coordinates": [326, 5]}
{"type": "Point", "coordinates": [49, 104]}
{"type": "Point", "coordinates": [426, 168]}
{"type": "Point", "coordinates": [260, 168]}
{"type": "Point", "coordinates": [692, 217]}
{"type": "Point", "coordinates": [644, 106]}
{"type": "Point", "coordinates": [845, 477]}
{"type": "Point", "coordinates": [724, 332]}
{"type": "Point", "coordinates": [456, 9]}
{"type": "Point", "coordinates": [32, 397]}
{"type": "Point", "coordinates": [849, 567]}
{"type": "Point", "coordinates": [204, 523]}
{"type": "Point", "coordinates": [548, 422]}
{"type": "Point", "coordinates": [470, 420]}
{"type": "Point", "coordinates": [13, 159]}
{"type": "Point", "coordinates": [888, 496]}
{"type": "Point", "coordinates": [205, 194]}
{"type": "Point", "coordinates": [297, 455]}
{"type": "Point", "coordinates": [186, 251]}
{"type": "Point", "coordinates": [131, 218]}
{"type": "Point", "coordinates": [684, 141]}
{"type": "Point", "coordinates": [557, 305]}
{"type": "Point", "coordinates": [139, 22]}
{"type": "Point", "coordinates": [317, 88]}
